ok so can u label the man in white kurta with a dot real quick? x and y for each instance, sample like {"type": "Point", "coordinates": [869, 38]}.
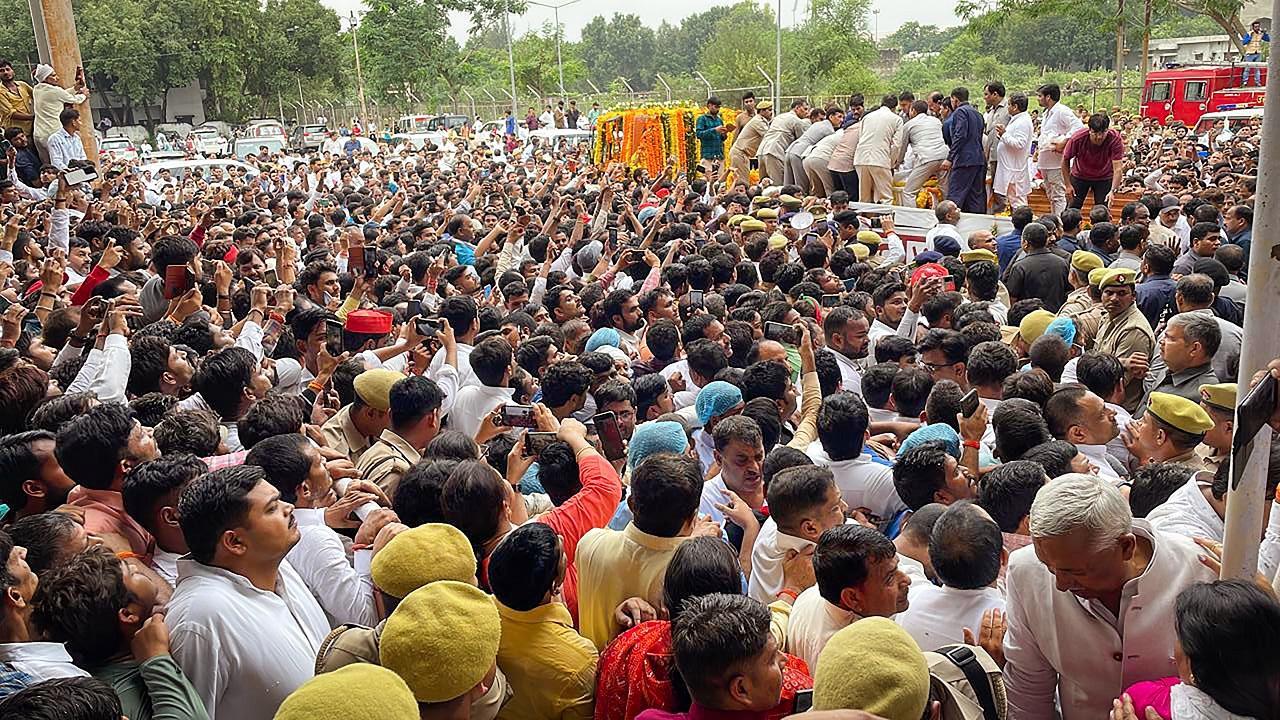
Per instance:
{"type": "Point", "coordinates": [243, 648]}
{"type": "Point", "coordinates": [1013, 152]}
{"type": "Point", "coordinates": [1113, 625]}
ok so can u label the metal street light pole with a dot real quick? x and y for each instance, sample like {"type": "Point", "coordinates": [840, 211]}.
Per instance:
{"type": "Point", "coordinates": [355, 44]}
{"type": "Point", "coordinates": [777, 70]}
{"type": "Point", "coordinates": [511, 55]}
{"type": "Point", "coordinates": [876, 31]}
{"type": "Point", "coordinates": [301, 100]}
{"type": "Point", "coordinates": [559, 60]}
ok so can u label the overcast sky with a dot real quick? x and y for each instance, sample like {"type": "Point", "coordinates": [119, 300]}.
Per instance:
{"type": "Point", "coordinates": [574, 17]}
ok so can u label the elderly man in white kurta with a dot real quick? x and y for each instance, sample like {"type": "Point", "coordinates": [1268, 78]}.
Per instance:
{"type": "Point", "coordinates": [1013, 153]}
{"type": "Point", "coordinates": [1091, 602]}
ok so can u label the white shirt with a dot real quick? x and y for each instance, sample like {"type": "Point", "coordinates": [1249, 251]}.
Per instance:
{"type": "Point", "coordinates": [850, 378]}
{"type": "Point", "coordinates": [1056, 123]}
{"type": "Point", "coordinates": [466, 376]}
{"type": "Point", "coordinates": [474, 403]}
{"type": "Point", "coordinates": [165, 564]}
{"type": "Point", "coordinates": [768, 556]}
{"type": "Point", "coordinates": [1097, 457]}
{"type": "Point", "coordinates": [41, 660]}
{"type": "Point", "coordinates": [1066, 651]}
{"type": "Point", "coordinates": [936, 616]}
{"type": "Point", "coordinates": [813, 622]}
{"type": "Point", "coordinates": [913, 569]}
{"type": "Point", "coordinates": [714, 491]}
{"type": "Point", "coordinates": [345, 593]}
{"type": "Point", "coordinates": [948, 230]}
{"type": "Point", "coordinates": [862, 482]}
{"type": "Point", "coordinates": [1013, 150]}
{"type": "Point", "coordinates": [243, 649]}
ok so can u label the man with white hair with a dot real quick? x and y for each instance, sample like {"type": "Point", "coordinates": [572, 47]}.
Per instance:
{"type": "Point", "coordinates": [1091, 603]}
{"type": "Point", "coordinates": [49, 99]}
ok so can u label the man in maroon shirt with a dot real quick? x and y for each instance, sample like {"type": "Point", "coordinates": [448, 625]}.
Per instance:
{"type": "Point", "coordinates": [1094, 160]}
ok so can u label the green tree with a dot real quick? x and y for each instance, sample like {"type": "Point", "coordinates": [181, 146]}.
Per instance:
{"type": "Point", "coordinates": [913, 37]}
{"type": "Point", "coordinates": [743, 39]}
{"type": "Point", "coordinates": [677, 46]}
{"type": "Point", "coordinates": [620, 46]}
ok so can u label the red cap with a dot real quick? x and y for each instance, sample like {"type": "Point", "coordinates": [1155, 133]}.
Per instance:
{"type": "Point", "coordinates": [368, 322]}
{"type": "Point", "coordinates": [230, 257]}
{"type": "Point", "coordinates": [925, 272]}
{"type": "Point", "coordinates": [663, 193]}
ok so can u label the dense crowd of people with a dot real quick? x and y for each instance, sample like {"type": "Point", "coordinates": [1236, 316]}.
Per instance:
{"type": "Point", "coordinates": [478, 431]}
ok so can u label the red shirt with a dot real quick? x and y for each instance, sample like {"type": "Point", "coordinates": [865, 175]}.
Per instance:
{"type": "Point", "coordinates": [634, 680]}
{"type": "Point", "coordinates": [1093, 162]}
{"type": "Point", "coordinates": [592, 507]}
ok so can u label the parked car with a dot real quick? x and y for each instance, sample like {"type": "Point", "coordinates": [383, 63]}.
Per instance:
{"type": "Point", "coordinates": [179, 169]}
{"type": "Point", "coordinates": [247, 146]}
{"type": "Point", "coordinates": [308, 137]}
{"type": "Point", "coordinates": [1229, 122]}
{"type": "Point", "coordinates": [118, 147]}
{"type": "Point", "coordinates": [264, 128]}
{"type": "Point", "coordinates": [208, 141]}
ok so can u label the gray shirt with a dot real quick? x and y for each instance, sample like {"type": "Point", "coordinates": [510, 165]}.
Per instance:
{"type": "Point", "coordinates": [810, 137]}
{"type": "Point", "coordinates": [923, 134]}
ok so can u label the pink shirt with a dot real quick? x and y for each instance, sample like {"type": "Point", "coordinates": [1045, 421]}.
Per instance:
{"type": "Point", "coordinates": [104, 513]}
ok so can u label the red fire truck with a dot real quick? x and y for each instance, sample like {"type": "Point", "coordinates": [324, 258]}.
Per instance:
{"type": "Point", "coordinates": [1185, 92]}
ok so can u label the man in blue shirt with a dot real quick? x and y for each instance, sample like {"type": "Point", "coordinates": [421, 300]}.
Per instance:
{"type": "Point", "coordinates": [510, 127]}
{"type": "Point", "coordinates": [966, 183]}
{"type": "Point", "coordinates": [711, 132]}
{"type": "Point", "coordinates": [1007, 245]}
{"type": "Point", "coordinates": [1156, 291]}
{"type": "Point", "coordinates": [1238, 222]}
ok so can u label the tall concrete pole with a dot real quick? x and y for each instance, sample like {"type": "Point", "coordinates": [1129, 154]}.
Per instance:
{"type": "Point", "coordinates": [55, 30]}
{"type": "Point", "coordinates": [1261, 345]}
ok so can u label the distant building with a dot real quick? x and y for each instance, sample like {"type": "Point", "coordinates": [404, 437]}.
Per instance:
{"type": "Point", "coordinates": [1186, 51]}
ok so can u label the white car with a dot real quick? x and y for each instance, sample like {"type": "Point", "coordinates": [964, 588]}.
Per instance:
{"type": "Point", "coordinates": [179, 169]}
{"type": "Point", "coordinates": [209, 141]}
{"type": "Point", "coordinates": [1230, 120]}
{"type": "Point", "coordinates": [118, 148]}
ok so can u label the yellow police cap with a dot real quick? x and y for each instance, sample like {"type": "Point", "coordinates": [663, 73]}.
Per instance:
{"type": "Point", "coordinates": [1096, 275]}
{"type": "Point", "coordinates": [767, 214]}
{"type": "Point", "coordinates": [1180, 413]}
{"type": "Point", "coordinates": [422, 555]}
{"type": "Point", "coordinates": [764, 105]}
{"type": "Point", "coordinates": [968, 256]}
{"type": "Point", "coordinates": [761, 200]}
{"type": "Point", "coordinates": [1033, 325]}
{"type": "Point", "coordinates": [752, 225]}
{"type": "Point", "coordinates": [869, 237]}
{"type": "Point", "coordinates": [1085, 261]}
{"type": "Point", "coordinates": [790, 201]}
{"type": "Point", "coordinates": [1117, 276]}
{"type": "Point", "coordinates": [1219, 395]}
{"type": "Point", "coordinates": [737, 219]}
{"type": "Point", "coordinates": [860, 251]}
{"type": "Point", "coordinates": [777, 240]}
{"type": "Point", "coordinates": [374, 387]}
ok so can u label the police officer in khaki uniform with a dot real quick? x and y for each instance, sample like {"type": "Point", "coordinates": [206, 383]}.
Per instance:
{"type": "Point", "coordinates": [747, 143]}
{"type": "Point", "coordinates": [414, 407]}
{"type": "Point", "coordinates": [1083, 262]}
{"type": "Point", "coordinates": [1125, 332]}
{"type": "Point", "coordinates": [1168, 432]}
{"type": "Point", "coordinates": [1219, 401]}
{"type": "Point", "coordinates": [358, 425]}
